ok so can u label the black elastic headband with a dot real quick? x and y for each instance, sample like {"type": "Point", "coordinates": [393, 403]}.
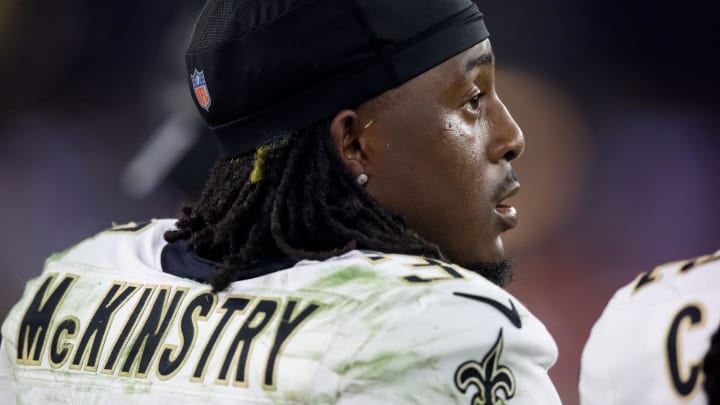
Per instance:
{"type": "Point", "coordinates": [320, 57]}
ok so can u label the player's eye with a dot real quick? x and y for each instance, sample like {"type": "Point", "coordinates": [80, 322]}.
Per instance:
{"type": "Point", "coordinates": [474, 103]}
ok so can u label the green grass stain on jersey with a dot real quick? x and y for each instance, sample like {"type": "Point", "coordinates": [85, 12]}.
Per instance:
{"type": "Point", "coordinates": [419, 396]}
{"type": "Point", "coordinates": [56, 257]}
{"type": "Point", "coordinates": [448, 391]}
{"type": "Point", "coordinates": [386, 366]}
{"type": "Point", "coordinates": [299, 397]}
{"type": "Point", "coordinates": [134, 385]}
{"type": "Point", "coordinates": [354, 274]}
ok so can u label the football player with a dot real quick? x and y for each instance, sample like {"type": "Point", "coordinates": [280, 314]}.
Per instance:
{"type": "Point", "coordinates": [346, 249]}
{"type": "Point", "coordinates": [648, 346]}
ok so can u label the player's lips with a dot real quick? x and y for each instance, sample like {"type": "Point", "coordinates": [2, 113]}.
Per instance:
{"type": "Point", "coordinates": [506, 212]}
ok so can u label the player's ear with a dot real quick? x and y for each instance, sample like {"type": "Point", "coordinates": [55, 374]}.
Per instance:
{"type": "Point", "coordinates": [347, 135]}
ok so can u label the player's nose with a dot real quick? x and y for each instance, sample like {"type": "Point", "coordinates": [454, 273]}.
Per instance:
{"type": "Point", "coordinates": [507, 139]}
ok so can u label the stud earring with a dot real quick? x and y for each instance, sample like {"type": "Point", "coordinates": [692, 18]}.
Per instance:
{"type": "Point", "coordinates": [362, 179]}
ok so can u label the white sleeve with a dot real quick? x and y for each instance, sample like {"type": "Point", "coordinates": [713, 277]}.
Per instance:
{"type": "Point", "coordinates": [440, 348]}
{"type": "Point", "coordinates": [595, 369]}
{"type": "Point", "coordinates": [7, 390]}
{"type": "Point", "coordinates": [649, 343]}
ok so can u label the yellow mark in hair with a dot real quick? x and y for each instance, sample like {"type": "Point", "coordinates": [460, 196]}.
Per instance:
{"type": "Point", "coordinates": [369, 124]}
{"type": "Point", "coordinates": [260, 157]}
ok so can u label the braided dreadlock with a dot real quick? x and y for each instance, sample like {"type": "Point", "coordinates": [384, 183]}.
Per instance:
{"type": "Point", "coordinates": [291, 198]}
{"type": "Point", "coordinates": [711, 367]}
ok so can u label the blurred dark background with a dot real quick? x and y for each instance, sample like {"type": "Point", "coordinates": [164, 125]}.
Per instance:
{"type": "Point", "coordinates": [618, 100]}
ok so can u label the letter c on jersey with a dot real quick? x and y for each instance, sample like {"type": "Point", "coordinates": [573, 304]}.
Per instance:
{"type": "Point", "coordinates": [685, 384]}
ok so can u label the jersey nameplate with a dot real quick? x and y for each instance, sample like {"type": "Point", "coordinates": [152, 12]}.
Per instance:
{"type": "Point", "coordinates": [140, 348]}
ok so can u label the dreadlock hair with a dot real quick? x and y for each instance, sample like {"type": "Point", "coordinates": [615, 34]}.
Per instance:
{"type": "Point", "coordinates": [711, 368]}
{"type": "Point", "coordinates": [292, 198]}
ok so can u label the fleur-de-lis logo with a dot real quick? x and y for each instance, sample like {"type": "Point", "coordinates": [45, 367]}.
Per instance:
{"type": "Point", "coordinates": [489, 376]}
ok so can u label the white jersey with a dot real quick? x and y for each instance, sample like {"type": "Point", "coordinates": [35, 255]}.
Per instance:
{"type": "Point", "coordinates": [104, 324]}
{"type": "Point", "coordinates": [648, 346]}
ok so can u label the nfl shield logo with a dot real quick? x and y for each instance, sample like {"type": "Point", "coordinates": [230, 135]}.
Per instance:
{"type": "Point", "coordinates": [202, 94]}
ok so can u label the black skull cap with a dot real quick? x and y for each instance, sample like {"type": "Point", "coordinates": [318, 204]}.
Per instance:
{"type": "Point", "coordinates": [261, 69]}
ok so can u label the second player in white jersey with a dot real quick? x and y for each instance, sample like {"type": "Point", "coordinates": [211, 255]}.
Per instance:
{"type": "Point", "coordinates": [649, 343]}
{"type": "Point", "coordinates": [105, 324]}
